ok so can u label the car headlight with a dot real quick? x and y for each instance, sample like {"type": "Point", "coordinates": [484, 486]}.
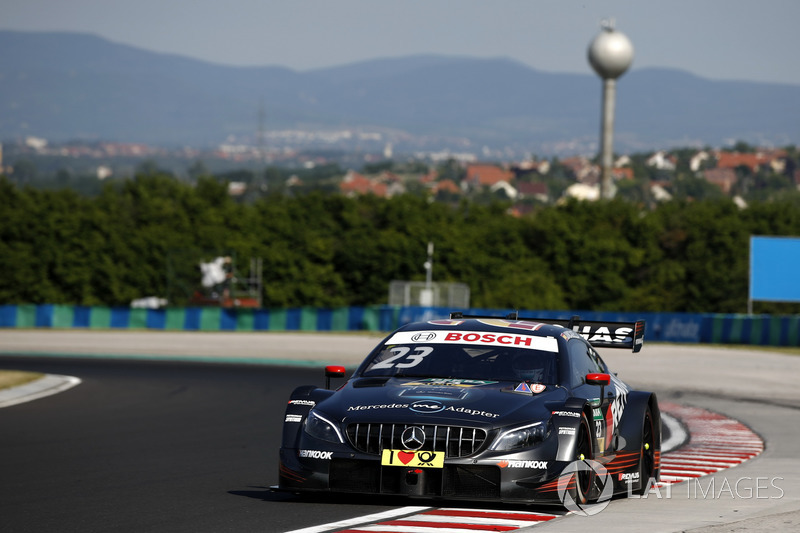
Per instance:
{"type": "Point", "coordinates": [522, 437]}
{"type": "Point", "coordinates": [321, 428]}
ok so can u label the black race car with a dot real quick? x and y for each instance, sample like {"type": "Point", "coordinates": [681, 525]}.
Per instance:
{"type": "Point", "coordinates": [481, 408]}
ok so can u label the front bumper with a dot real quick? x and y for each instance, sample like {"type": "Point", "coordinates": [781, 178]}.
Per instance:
{"type": "Point", "coordinates": [500, 478]}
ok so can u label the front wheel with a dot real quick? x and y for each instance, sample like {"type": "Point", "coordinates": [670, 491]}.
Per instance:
{"type": "Point", "coordinates": [584, 477]}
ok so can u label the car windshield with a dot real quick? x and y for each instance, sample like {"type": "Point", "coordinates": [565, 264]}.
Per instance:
{"type": "Point", "coordinates": [464, 362]}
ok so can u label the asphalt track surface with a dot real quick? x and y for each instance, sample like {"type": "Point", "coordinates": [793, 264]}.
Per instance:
{"type": "Point", "coordinates": [148, 444]}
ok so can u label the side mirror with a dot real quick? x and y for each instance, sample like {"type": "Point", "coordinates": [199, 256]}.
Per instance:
{"type": "Point", "coordinates": [598, 379]}
{"type": "Point", "coordinates": [333, 371]}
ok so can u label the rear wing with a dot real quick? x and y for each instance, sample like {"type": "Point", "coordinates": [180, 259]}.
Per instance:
{"type": "Point", "coordinates": [599, 333]}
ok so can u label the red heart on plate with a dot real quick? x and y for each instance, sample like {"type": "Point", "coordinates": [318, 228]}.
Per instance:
{"type": "Point", "coordinates": [405, 457]}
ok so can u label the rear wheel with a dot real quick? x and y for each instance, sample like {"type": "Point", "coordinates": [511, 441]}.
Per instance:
{"type": "Point", "coordinates": [647, 460]}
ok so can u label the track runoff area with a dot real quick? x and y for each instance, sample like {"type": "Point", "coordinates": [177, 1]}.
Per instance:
{"type": "Point", "coordinates": [711, 443]}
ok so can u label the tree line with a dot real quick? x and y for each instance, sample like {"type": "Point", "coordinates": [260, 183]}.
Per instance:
{"type": "Point", "coordinates": [143, 237]}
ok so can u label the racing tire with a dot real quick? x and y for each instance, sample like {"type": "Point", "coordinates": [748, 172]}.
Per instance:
{"type": "Point", "coordinates": [584, 478]}
{"type": "Point", "coordinates": [647, 459]}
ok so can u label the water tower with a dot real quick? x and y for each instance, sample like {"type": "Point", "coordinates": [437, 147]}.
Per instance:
{"type": "Point", "coordinates": [610, 54]}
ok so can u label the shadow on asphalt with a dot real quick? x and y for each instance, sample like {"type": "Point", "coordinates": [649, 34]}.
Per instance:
{"type": "Point", "coordinates": [268, 495]}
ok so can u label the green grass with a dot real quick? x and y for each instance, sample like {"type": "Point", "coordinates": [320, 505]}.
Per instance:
{"type": "Point", "coordinates": [13, 378]}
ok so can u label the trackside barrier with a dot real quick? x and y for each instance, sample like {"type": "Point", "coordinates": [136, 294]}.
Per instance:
{"type": "Point", "coordinates": [765, 330]}
{"type": "Point", "coordinates": [378, 318]}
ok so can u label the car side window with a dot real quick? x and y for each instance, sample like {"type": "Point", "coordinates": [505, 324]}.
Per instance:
{"type": "Point", "coordinates": [581, 361]}
{"type": "Point", "coordinates": [600, 362]}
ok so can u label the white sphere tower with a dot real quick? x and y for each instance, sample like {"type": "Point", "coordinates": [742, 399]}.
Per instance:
{"type": "Point", "coordinates": [610, 54]}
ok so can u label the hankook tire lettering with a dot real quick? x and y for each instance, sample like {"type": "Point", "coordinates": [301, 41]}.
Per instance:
{"type": "Point", "coordinates": [538, 465]}
{"type": "Point", "coordinates": [316, 454]}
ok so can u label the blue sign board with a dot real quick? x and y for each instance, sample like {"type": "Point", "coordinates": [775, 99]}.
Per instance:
{"type": "Point", "coordinates": [775, 269]}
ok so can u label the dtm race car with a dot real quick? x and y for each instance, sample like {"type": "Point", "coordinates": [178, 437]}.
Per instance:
{"type": "Point", "coordinates": [480, 408]}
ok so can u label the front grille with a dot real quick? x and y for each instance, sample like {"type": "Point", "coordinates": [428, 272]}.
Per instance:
{"type": "Point", "coordinates": [454, 441]}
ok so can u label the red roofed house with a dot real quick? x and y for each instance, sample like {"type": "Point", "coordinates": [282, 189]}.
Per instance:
{"type": "Point", "coordinates": [487, 175]}
{"type": "Point", "coordinates": [446, 186]}
{"type": "Point", "coordinates": [724, 178]}
{"type": "Point", "coordinates": [582, 169]}
{"type": "Point", "coordinates": [536, 191]}
{"type": "Point", "coordinates": [735, 159]}
{"type": "Point", "coordinates": [622, 173]}
{"type": "Point", "coordinates": [430, 177]}
{"type": "Point", "coordinates": [355, 184]}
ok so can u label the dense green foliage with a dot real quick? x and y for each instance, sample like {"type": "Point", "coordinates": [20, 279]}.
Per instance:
{"type": "Point", "coordinates": [143, 237]}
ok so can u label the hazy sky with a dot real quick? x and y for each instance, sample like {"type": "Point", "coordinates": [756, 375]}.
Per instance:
{"type": "Point", "coordinates": [717, 39]}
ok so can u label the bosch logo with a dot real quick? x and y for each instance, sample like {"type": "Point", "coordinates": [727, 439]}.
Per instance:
{"type": "Point", "coordinates": [423, 336]}
{"type": "Point", "coordinates": [427, 406]}
{"type": "Point", "coordinates": [413, 438]}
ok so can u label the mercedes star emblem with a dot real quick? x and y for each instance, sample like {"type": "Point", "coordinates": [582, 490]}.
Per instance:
{"type": "Point", "coordinates": [413, 438]}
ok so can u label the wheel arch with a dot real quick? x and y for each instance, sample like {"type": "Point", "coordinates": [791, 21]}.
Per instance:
{"type": "Point", "coordinates": [301, 401]}
{"type": "Point", "coordinates": [631, 427]}
{"type": "Point", "coordinates": [567, 443]}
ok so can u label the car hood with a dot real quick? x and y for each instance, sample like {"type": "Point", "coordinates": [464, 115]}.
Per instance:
{"type": "Point", "coordinates": [442, 401]}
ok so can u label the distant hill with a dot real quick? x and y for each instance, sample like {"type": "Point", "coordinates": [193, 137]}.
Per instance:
{"type": "Point", "coordinates": [64, 86]}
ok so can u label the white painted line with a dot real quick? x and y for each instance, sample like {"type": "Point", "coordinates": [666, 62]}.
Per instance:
{"type": "Point", "coordinates": [704, 461]}
{"type": "Point", "coordinates": [702, 455]}
{"type": "Point", "coordinates": [690, 473]}
{"type": "Point", "coordinates": [468, 520]}
{"type": "Point", "coordinates": [704, 451]}
{"type": "Point", "coordinates": [504, 511]}
{"type": "Point", "coordinates": [45, 386]}
{"type": "Point", "coordinates": [715, 456]}
{"type": "Point", "coordinates": [361, 520]}
{"type": "Point", "coordinates": [677, 435]}
{"type": "Point", "coordinates": [415, 529]}
{"type": "Point", "coordinates": [685, 462]}
{"type": "Point", "coordinates": [670, 480]}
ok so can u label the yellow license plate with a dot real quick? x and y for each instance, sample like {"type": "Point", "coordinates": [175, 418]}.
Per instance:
{"type": "Point", "coordinates": [418, 459]}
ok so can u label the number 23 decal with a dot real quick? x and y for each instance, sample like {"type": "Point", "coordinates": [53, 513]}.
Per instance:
{"type": "Point", "coordinates": [403, 359]}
